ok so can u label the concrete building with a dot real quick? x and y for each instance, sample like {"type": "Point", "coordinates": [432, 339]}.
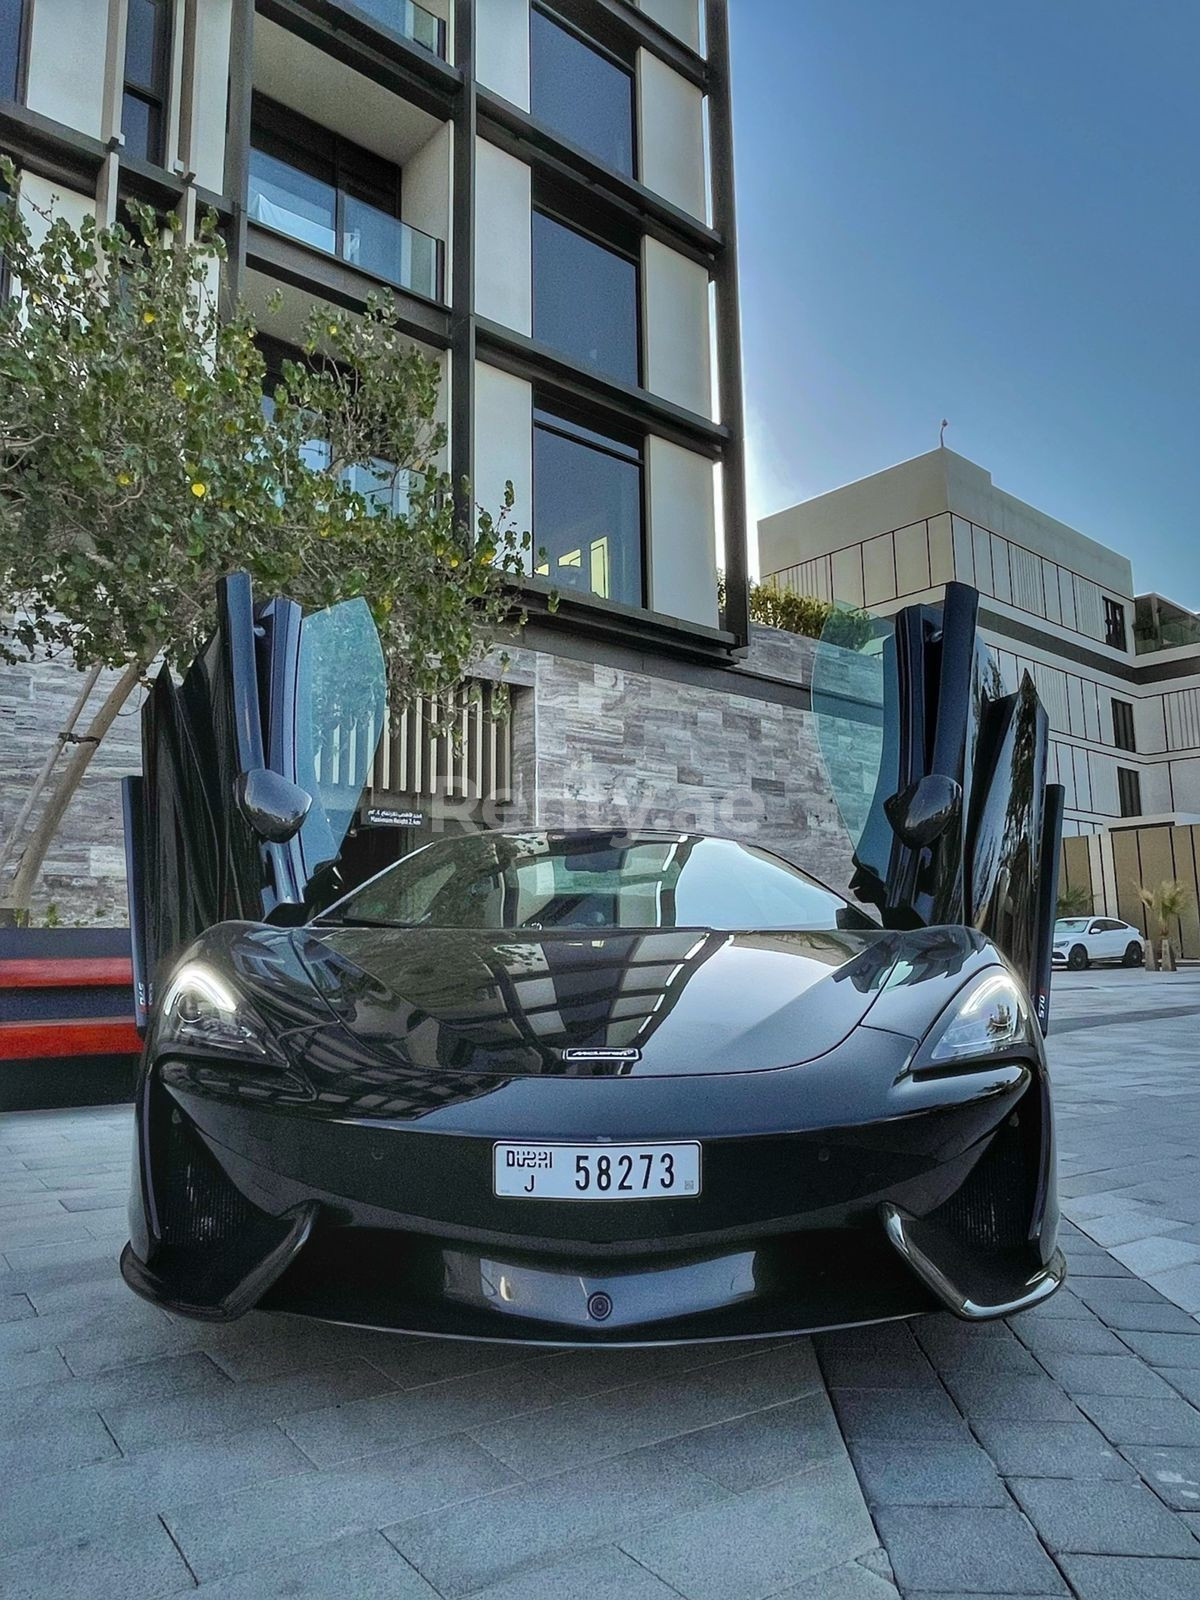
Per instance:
{"type": "Point", "coordinates": [1118, 673]}
{"type": "Point", "coordinates": [546, 188]}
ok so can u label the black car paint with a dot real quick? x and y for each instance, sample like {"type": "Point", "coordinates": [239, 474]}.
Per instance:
{"type": "Point", "coordinates": [347, 1173]}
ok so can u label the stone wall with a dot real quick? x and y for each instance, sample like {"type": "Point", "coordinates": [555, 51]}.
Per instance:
{"type": "Point", "coordinates": [84, 877]}
{"type": "Point", "coordinates": [593, 744]}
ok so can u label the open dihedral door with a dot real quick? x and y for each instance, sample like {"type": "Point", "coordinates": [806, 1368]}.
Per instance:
{"type": "Point", "coordinates": [940, 776]}
{"type": "Point", "coordinates": [252, 769]}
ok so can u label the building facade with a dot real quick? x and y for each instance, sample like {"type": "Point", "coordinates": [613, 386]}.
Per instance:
{"type": "Point", "coordinates": [1118, 673]}
{"type": "Point", "coordinates": [545, 187]}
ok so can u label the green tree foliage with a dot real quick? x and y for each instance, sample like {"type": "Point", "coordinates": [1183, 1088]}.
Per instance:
{"type": "Point", "coordinates": [1074, 900]}
{"type": "Point", "coordinates": [800, 613]}
{"type": "Point", "coordinates": [139, 464]}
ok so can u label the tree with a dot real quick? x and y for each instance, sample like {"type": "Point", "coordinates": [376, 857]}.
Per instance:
{"type": "Point", "coordinates": [140, 463]}
{"type": "Point", "coordinates": [1166, 904]}
{"type": "Point", "coordinates": [1074, 900]}
{"type": "Point", "coordinates": [803, 614]}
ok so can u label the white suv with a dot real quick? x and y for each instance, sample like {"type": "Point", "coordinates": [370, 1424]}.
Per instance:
{"type": "Point", "coordinates": [1078, 941]}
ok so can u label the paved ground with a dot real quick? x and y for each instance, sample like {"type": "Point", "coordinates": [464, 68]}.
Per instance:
{"type": "Point", "coordinates": [143, 1455]}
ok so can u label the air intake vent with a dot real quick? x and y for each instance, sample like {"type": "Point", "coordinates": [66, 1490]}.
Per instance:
{"type": "Point", "coordinates": [992, 1209]}
{"type": "Point", "coordinates": [198, 1205]}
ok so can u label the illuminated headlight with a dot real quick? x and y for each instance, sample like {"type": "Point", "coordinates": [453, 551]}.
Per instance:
{"type": "Point", "coordinates": [200, 1010]}
{"type": "Point", "coordinates": [990, 1016]}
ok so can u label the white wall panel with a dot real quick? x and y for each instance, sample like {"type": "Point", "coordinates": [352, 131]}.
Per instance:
{"type": "Point", "coordinates": [941, 550]}
{"type": "Point", "coordinates": [671, 135]}
{"type": "Point", "coordinates": [879, 571]}
{"type": "Point", "coordinates": [912, 558]}
{"type": "Point", "coordinates": [680, 17]}
{"type": "Point", "coordinates": [964, 551]}
{"type": "Point", "coordinates": [682, 532]}
{"type": "Point", "coordinates": [502, 48]}
{"type": "Point", "coordinates": [981, 541]}
{"type": "Point", "coordinates": [55, 199]}
{"type": "Point", "coordinates": [503, 239]}
{"type": "Point", "coordinates": [67, 46]}
{"type": "Point", "coordinates": [1053, 610]}
{"type": "Point", "coordinates": [1000, 569]}
{"type": "Point", "coordinates": [847, 576]}
{"type": "Point", "coordinates": [1066, 599]}
{"type": "Point", "coordinates": [1089, 613]}
{"type": "Point", "coordinates": [211, 92]}
{"type": "Point", "coordinates": [677, 354]}
{"type": "Point", "coordinates": [1026, 580]}
{"type": "Point", "coordinates": [425, 190]}
{"type": "Point", "coordinates": [503, 442]}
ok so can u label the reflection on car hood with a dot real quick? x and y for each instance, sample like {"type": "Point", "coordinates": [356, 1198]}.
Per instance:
{"type": "Point", "coordinates": [672, 1001]}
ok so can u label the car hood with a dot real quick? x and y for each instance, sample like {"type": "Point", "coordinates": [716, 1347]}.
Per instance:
{"type": "Point", "coordinates": [636, 1002]}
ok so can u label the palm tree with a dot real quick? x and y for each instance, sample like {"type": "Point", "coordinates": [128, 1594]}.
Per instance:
{"type": "Point", "coordinates": [1074, 900]}
{"type": "Point", "coordinates": [1166, 904]}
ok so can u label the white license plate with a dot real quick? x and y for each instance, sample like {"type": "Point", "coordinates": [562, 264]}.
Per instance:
{"type": "Point", "coordinates": [596, 1171]}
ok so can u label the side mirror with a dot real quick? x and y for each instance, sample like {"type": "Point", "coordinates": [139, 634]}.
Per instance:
{"type": "Point", "coordinates": [921, 813]}
{"type": "Point", "coordinates": [273, 806]}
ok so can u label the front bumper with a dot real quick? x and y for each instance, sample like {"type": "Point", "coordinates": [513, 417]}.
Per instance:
{"type": "Point", "coordinates": [944, 1199]}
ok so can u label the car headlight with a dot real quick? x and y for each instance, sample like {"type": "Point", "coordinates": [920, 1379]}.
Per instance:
{"type": "Point", "coordinates": [201, 1010]}
{"type": "Point", "coordinates": [988, 1017]}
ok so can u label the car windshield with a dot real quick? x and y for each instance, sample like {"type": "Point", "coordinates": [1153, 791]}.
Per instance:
{"type": "Point", "coordinates": [1071, 925]}
{"type": "Point", "coordinates": [603, 880]}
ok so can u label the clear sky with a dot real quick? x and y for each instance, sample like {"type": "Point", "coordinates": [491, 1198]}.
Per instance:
{"type": "Point", "coordinates": [986, 210]}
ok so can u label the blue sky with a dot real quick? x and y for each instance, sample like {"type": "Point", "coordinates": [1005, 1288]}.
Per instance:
{"type": "Point", "coordinates": [986, 210]}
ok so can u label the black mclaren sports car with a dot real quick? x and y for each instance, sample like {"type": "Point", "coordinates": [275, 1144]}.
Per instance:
{"type": "Point", "coordinates": [597, 1087]}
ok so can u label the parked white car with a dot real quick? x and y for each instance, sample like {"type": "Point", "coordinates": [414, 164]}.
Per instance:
{"type": "Point", "coordinates": [1078, 941]}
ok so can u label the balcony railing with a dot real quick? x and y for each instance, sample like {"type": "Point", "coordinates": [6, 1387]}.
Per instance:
{"type": "Point", "coordinates": [291, 202]}
{"type": "Point", "coordinates": [408, 19]}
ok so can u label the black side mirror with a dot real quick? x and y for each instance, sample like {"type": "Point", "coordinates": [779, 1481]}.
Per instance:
{"type": "Point", "coordinates": [273, 806]}
{"type": "Point", "coordinates": [921, 813]}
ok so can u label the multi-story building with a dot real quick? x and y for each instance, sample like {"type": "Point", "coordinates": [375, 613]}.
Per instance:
{"type": "Point", "coordinates": [545, 187]}
{"type": "Point", "coordinates": [1118, 673]}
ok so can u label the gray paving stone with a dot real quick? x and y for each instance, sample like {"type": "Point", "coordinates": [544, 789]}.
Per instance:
{"type": "Point", "coordinates": [92, 1499]}
{"type": "Point", "coordinates": [1169, 1349]}
{"type": "Point", "coordinates": [766, 1445]}
{"type": "Point", "coordinates": [1105, 1375]}
{"type": "Point", "coordinates": [136, 1385]}
{"type": "Point", "coordinates": [496, 1538]}
{"type": "Point", "coordinates": [69, 1441]}
{"type": "Point", "coordinates": [579, 1373]}
{"type": "Point", "coordinates": [1016, 1396]}
{"type": "Point", "coordinates": [1101, 1292]}
{"type": "Point", "coordinates": [191, 1416]}
{"type": "Point", "coordinates": [760, 1542]}
{"type": "Point", "coordinates": [1131, 1578]}
{"type": "Point", "coordinates": [1186, 1380]}
{"type": "Point", "coordinates": [972, 1549]}
{"type": "Point", "coordinates": [606, 1574]}
{"type": "Point", "coordinates": [139, 1561]}
{"type": "Point", "coordinates": [1104, 1519]}
{"type": "Point", "coordinates": [1174, 1475]}
{"type": "Point", "coordinates": [1180, 1284]}
{"type": "Point", "coordinates": [1148, 1256]}
{"type": "Point", "coordinates": [20, 1370]}
{"type": "Point", "coordinates": [1060, 1306]}
{"type": "Point", "coordinates": [1125, 1421]}
{"type": "Point", "coordinates": [568, 1434]}
{"type": "Point", "coordinates": [1074, 1337]}
{"type": "Point", "coordinates": [908, 1370]}
{"type": "Point", "coordinates": [362, 1566]}
{"type": "Point", "coordinates": [1150, 1316]}
{"type": "Point", "coordinates": [1074, 1450]}
{"type": "Point", "coordinates": [926, 1475]}
{"type": "Point", "coordinates": [912, 1415]}
{"type": "Point", "coordinates": [252, 1527]}
{"type": "Point", "coordinates": [15, 1307]}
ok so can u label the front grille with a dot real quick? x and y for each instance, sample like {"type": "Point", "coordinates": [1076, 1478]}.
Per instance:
{"type": "Point", "coordinates": [197, 1204]}
{"type": "Point", "coordinates": [992, 1208]}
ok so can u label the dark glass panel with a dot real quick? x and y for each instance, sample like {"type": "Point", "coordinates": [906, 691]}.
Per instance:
{"type": "Point", "coordinates": [12, 27]}
{"type": "Point", "coordinates": [585, 300]}
{"type": "Point", "coordinates": [140, 123]}
{"type": "Point", "coordinates": [587, 517]}
{"type": "Point", "coordinates": [145, 44]}
{"type": "Point", "coordinates": [581, 94]}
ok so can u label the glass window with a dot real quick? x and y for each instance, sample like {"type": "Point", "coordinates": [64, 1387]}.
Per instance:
{"type": "Point", "coordinates": [1114, 624]}
{"type": "Point", "coordinates": [587, 510]}
{"type": "Point", "coordinates": [12, 32]}
{"type": "Point", "coordinates": [585, 299]}
{"type": "Point", "coordinates": [1129, 791]}
{"type": "Point", "coordinates": [596, 880]}
{"type": "Point", "coordinates": [580, 93]}
{"type": "Point", "coordinates": [408, 19]}
{"type": "Point", "coordinates": [147, 65]}
{"type": "Point", "coordinates": [1123, 734]}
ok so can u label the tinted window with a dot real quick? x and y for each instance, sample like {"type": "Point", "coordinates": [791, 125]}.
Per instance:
{"type": "Point", "coordinates": [11, 30]}
{"type": "Point", "coordinates": [543, 881]}
{"type": "Point", "coordinates": [147, 62]}
{"type": "Point", "coordinates": [587, 510]}
{"type": "Point", "coordinates": [585, 299]}
{"type": "Point", "coordinates": [1129, 792]}
{"type": "Point", "coordinates": [580, 93]}
{"type": "Point", "coordinates": [1123, 732]}
{"type": "Point", "coordinates": [1114, 623]}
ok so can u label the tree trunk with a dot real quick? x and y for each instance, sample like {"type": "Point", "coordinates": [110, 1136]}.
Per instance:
{"type": "Point", "coordinates": [9, 848]}
{"type": "Point", "coordinates": [17, 897]}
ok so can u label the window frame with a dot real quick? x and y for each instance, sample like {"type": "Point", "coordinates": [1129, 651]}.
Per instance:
{"type": "Point", "coordinates": [579, 426]}
{"type": "Point", "coordinates": [590, 42]}
{"type": "Point", "coordinates": [1115, 618]}
{"type": "Point", "coordinates": [1129, 792]}
{"type": "Point", "coordinates": [155, 96]}
{"type": "Point", "coordinates": [1124, 728]}
{"type": "Point", "coordinates": [553, 210]}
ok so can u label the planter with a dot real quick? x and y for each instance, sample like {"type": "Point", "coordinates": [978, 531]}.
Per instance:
{"type": "Point", "coordinates": [66, 1027]}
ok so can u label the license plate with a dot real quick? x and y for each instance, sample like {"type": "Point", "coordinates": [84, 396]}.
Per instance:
{"type": "Point", "coordinates": [596, 1171]}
